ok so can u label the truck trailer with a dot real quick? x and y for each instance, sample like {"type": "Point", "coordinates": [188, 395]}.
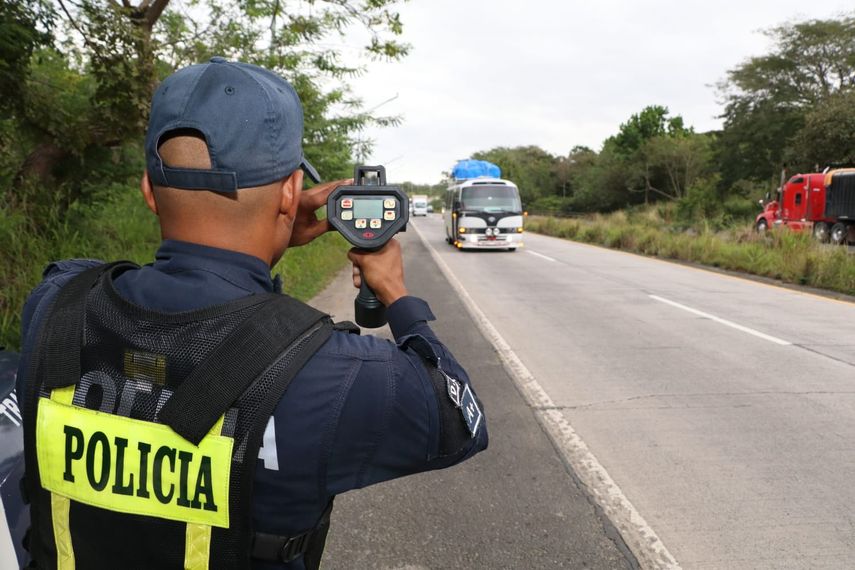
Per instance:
{"type": "Point", "coordinates": [820, 202]}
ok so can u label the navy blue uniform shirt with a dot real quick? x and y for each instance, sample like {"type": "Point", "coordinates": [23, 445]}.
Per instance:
{"type": "Point", "coordinates": [361, 411]}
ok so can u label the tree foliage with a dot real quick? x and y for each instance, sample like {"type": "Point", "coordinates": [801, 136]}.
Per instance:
{"type": "Point", "coordinates": [652, 155]}
{"type": "Point", "coordinates": [768, 97]}
{"type": "Point", "coordinates": [652, 122]}
{"type": "Point", "coordinates": [530, 167]}
{"type": "Point", "coordinates": [78, 75]}
{"type": "Point", "coordinates": [24, 28]}
{"type": "Point", "coordinates": [828, 134]}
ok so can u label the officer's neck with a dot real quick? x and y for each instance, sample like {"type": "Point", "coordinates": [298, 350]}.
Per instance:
{"type": "Point", "coordinates": [228, 242]}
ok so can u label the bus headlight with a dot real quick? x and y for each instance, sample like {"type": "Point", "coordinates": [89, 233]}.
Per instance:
{"type": "Point", "coordinates": [519, 230]}
{"type": "Point", "coordinates": [461, 230]}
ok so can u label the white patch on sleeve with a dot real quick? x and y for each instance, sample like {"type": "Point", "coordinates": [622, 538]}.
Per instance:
{"type": "Point", "coordinates": [267, 451]}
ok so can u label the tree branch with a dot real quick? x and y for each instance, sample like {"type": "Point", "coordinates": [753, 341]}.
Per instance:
{"type": "Point", "coordinates": [154, 11]}
{"type": "Point", "coordinates": [74, 25]}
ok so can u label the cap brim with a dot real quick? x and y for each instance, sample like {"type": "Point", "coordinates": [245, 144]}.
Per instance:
{"type": "Point", "coordinates": [310, 171]}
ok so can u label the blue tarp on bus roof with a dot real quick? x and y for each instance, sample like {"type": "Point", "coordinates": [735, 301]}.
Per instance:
{"type": "Point", "coordinates": [465, 169]}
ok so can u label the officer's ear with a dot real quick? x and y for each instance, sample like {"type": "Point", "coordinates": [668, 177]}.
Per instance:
{"type": "Point", "coordinates": [148, 192]}
{"type": "Point", "coordinates": [291, 189]}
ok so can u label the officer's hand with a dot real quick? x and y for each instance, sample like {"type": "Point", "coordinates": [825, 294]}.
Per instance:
{"type": "Point", "coordinates": [307, 226]}
{"type": "Point", "coordinates": [382, 269]}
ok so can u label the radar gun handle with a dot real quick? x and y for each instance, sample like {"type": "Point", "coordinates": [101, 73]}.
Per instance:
{"type": "Point", "coordinates": [368, 309]}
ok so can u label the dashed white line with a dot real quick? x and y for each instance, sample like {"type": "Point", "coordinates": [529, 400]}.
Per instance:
{"type": "Point", "coordinates": [546, 257]}
{"type": "Point", "coordinates": [724, 322]}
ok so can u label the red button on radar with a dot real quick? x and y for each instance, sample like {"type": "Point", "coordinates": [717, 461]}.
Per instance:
{"type": "Point", "coordinates": [368, 235]}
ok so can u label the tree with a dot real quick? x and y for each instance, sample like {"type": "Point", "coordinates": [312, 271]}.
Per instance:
{"type": "Point", "coordinates": [601, 186]}
{"type": "Point", "coordinates": [530, 167]}
{"type": "Point", "coordinates": [768, 97]}
{"type": "Point", "coordinates": [569, 168]}
{"type": "Point", "coordinates": [828, 135]}
{"type": "Point", "coordinates": [652, 121]}
{"type": "Point", "coordinates": [633, 151]}
{"type": "Point", "coordinates": [89, 92]}
{"type": "Point", "coordinates": [682, 160]}
{"type": "Point", "coordinates": [24, 27]}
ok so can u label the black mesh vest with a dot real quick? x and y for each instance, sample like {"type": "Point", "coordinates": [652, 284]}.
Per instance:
{"type": "Point", "coordinates": [142, 429]}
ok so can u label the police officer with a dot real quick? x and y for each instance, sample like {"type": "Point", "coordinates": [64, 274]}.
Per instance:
{"type": "Point", "coordinates": [186, 414]}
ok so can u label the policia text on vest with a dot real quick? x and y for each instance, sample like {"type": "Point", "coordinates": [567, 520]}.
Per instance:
{"type": "Point", "coordinates": [140, 467]}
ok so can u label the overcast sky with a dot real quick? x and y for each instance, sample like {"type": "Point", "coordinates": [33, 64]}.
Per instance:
{"type": "Point", "coordinates": [556, 73]}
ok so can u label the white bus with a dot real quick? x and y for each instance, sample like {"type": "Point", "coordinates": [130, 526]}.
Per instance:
{"type": "Point", "coordinates": [483, 213]}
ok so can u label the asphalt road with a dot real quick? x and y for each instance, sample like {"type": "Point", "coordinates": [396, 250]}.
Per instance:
{"type": "Point", "coordinates": [515, 505]}
{"type": "Point", "coordinates": [722, 408]}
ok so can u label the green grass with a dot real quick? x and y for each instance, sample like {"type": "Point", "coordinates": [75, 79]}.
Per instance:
{"type": "Point", "coordinates": [308, 269]}
{"type": "Point", "coordinates": [788, 256]}
{"type": "Point", "coordinates": [121, 227]}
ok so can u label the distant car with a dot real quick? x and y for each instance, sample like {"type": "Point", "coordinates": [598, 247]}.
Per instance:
{"type": "Point", "coordinates": [420, 205]}
{"type": "Point", "coordinates": [430, 209]}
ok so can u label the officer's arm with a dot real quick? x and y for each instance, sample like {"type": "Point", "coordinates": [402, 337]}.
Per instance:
{"type": "Point", "coordinates": [408, 422]}
{"type": "Point", "coordinates": [408, 317]}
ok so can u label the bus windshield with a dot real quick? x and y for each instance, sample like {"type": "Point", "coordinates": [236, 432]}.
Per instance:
{"type": "Point", "coordinates": [491, 199]}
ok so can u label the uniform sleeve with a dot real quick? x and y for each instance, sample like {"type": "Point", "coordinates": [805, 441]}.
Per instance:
{"type": "Point", "coordinates": [408, 422]}
{"type": "Point", "coordinates": [55, 275]}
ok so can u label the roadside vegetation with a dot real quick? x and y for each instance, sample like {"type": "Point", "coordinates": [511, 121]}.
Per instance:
{"type": "Point", "coordinates": [120, 226]}
{"type": "Point", "coordinates": [75, 84]}
{"type": "Point", "coordinates": [788, 256]}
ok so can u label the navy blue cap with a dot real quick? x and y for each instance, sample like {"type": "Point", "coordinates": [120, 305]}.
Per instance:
{"type": "Point", "coordinates": [250, 117]}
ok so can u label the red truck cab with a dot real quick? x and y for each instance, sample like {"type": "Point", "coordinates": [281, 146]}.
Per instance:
{"type": "Point", "coordinates": [799, 206]}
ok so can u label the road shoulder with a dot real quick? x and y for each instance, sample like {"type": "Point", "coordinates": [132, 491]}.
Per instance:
{"type": "Point", "coordinates": [514, 506]}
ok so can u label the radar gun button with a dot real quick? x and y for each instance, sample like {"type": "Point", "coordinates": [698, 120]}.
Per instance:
{"type": "Point", "coordinates": [389, 215]}
{"type": "Point", "coordinates": [361, 223]}
{"type": "Point", "coordinates": [375, 224]}
{"type": "Point", "coordinates": [347, 216]}
{"type": "Point", "coordinates": [389, 203]}
{"type": "Point", "coordinates": [347, 203]}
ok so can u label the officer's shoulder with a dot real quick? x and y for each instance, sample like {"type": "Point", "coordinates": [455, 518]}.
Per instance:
{"type": "Point", "coordinates": [56, 274]}
{"type": "Point", "coordinates": [60, 272]}
{"type": "Point", "coordinates": [342, 344]}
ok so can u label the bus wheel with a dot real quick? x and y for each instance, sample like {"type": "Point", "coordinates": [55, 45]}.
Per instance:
{"type": "Point", "coordinates": [838, 233]}
{"type": "Point", "coordinates": [820, 232]}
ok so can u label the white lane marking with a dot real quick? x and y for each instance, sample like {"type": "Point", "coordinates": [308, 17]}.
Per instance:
{"type": "Point", "coordinates": [725, 322]}
{"type": "Point", "coordinates": [546, 257]}
{"type": "Point", "coordinates": [638, 535]}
